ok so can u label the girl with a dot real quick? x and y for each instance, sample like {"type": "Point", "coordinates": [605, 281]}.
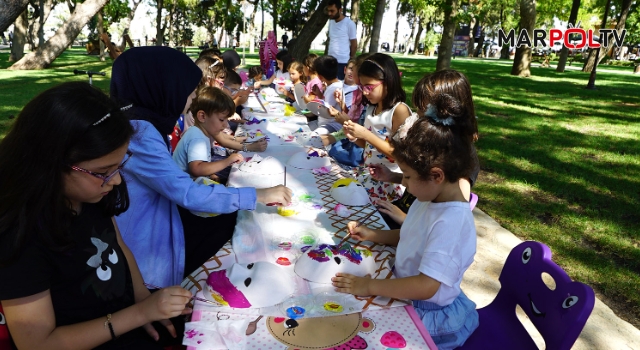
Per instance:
{"type": "Point", "coordinates": [167, 240]}
{"type": "Point", "coordinates": [283, 60]}
{"type": "Point", "coordinates": [449, 82]}
{"type": "Point", "coordinates": [257, 79]}
{"type": "Point", "coordinates": [69, 280]}
{"type": "Point", "coordinates": [381, 86]}
{"type": "Point", "coordinates": [313, 81]}
{"type": "Point", "coordinates": [437, 242]}
{"type": "Point", "coordinates": [212, 107]}
{"type": "Point", "coordinates": [296, 73]}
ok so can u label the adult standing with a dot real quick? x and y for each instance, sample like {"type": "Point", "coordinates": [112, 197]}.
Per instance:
{"type": "Point", "coordinates": [342, 36]}
{"type": "Point", "coordinates": [285, 41]}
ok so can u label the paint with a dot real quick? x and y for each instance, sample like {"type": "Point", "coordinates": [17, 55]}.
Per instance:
{"type": "Point", "coordinates": [308, 239]}
{"type": "Point", "coordinates": [283, 261]}
{"type": "Point", "coordinates": [295, 312]}
{"type": "Point", "coordinates": [285, 245]}
{"type": "Point", "coordinates": [333, 307]}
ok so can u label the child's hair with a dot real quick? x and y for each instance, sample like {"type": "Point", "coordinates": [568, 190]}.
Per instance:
{"type": "Point", "coordinates": [357, 62]}
{"type": "Point", "coordinates": [308, 62]}
{"type": "Point", "coordinates": [233, 78]}
{"type": "Point", "coordinates": [439, 139]}
{"type": "Point", "coordinates": [382, 67]}
{"type": "Point", "coordinates": [211, 52]}
{"type": "Point", "coordinates": [211, 69]}
{"type": "Point", "coordinates": [64, 125]}
{"type": "Point", "coordinates": [326, 66]}
{"type": "Point", "coordinates": [299, 67]}
{"type": "Point", "coordinates": [212, 100]}
{"type": "Point", "coordinates": [286, 59]}
{"type": "Point", "coordinates": [351, 61]}
{"type": "Point", "coordinates": [231, 59]}
{"type": "Point", "coordinates": [449, 82]}
{"type": "Point", "coordinates": [255, 71]}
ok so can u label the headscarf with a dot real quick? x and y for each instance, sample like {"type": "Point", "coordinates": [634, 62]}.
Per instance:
{"type": "Point", "coordinates": [157, 80]}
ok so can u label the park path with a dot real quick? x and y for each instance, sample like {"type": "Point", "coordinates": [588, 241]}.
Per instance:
{"type": "Point", "coordinates": [604, 330]}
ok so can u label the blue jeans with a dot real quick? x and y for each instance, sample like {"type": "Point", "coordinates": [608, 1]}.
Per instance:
{"type": "Point", "coordinates": [341, 70]}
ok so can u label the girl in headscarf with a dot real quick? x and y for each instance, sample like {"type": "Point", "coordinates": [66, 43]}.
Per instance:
{"type": "Point", "coordinates": [166, 239]}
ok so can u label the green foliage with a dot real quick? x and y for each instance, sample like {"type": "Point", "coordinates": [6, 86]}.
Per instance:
{"type": "Point", "coordinates": [432, 39]}
{"type": "Point", "coordinates": [367, 12]}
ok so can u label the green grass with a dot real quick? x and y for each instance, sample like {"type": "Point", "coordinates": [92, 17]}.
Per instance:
{"type": "Point", "coordinates": [560, 164]}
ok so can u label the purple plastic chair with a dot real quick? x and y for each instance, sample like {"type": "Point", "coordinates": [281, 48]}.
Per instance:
{"type": "Point", "coordinates": [559, 315]}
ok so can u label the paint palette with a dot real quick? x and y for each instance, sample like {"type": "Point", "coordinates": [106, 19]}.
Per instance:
{"type": "Point", "coordinates": [330, 303]}
{"type": "Point", "coordinates": [296, 307]}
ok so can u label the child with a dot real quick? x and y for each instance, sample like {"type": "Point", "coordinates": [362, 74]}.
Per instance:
{"type": "Point", "coordinates": [210, 109]}
{"type": "Point", "coordinates": [313, 81]}
{"type": "Point", "coordinates": [296, 74]}
{"type": "Point", "coordinates": [326, 67]}
{"type": "Point", "coordinates": [257, 79]}
{"type": "Point", "coordinates": [437, 242]}
{"type": "Point", "coordinates": [446, 81]}
{"type": "Point", "coordinates": [381, 86]}
{"type": "Point", "coordinates": [283, 60]}
{"type": "Point", "coordinates": [213, 72]}
{"type": "Point", "coordinates": [69, 280]}
{"type": "Point", "coordinates": [349, 87]}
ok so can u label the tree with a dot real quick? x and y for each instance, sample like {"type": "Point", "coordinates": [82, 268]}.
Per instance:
{"type": "Point", "coordinates": [448, 29]}
{"type": "Point", "coordinates": [522, 60]}
{"type": "Point", "coordinates": [622, 18]}
{"type": "Point", "coordinates": [19, 37]}
{"type": "Point", "coordinates": [318, 19]}
{"type": "Point", "coordinates": [11, 9]}
{"type": "Point", "coordinates": [381, 7]}
{"type": "Point", "coordinates": [36, 23]}
{"type": "Point", "coordinates": [564, 53]}
{"type": "Point", "coordinates": [47, 53]}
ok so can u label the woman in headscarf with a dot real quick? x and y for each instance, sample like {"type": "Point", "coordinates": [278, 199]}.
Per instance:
{"type": "Point", "coordinates": [169, 243]}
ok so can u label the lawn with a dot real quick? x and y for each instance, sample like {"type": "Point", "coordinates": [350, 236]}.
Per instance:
{"type": "Point", "coordinates": [560, 164]}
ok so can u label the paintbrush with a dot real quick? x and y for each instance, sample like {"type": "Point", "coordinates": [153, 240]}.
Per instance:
{"type": "Point", "coordinates": [360, 223]}
{"type": "Point", "coordinates": [149, 285]}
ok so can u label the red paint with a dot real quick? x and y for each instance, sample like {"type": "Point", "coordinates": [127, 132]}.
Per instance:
{"type": "Point", "coordinates": [283, 261]}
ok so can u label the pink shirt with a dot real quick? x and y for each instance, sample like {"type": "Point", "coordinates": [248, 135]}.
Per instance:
{"type": "Point", "coordinates": [309, 87]}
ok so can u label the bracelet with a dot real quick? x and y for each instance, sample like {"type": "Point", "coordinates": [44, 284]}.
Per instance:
{"type": "Point", "coordinates": [107, 323]}
{"type": "Point", "coordinates": [244, 147]}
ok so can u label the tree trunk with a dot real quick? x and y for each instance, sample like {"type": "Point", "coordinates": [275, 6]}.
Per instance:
{"type": "Point", "coordinates": [395, 32]}
{"type": "Point", "coordinates": [412, 25]}
{"type": "Point", "coordinates": [480, 46]}
{"type": "Point", "coordinates": [36, 27]}
{"type": "Point", "coordinates": [262, 37]}
{"type": "Point", "coordinates": [127, 25]}
{"type": "Point", "coordinates": [45, 54]}
{"type": "Point", "coordinates": [159, 28]}
{"type": "Point", "coordinates": [19, 37]}
{"type": "Point", "coordinates": [472, 34]}
{"type": "Point", "coordinates": [309, 32]}
{"type": "Point", "coordinates": [252, 27]}
{"type": "Point", "coordinates": [564, 53]}
{"type": "Point", "coordinates": [448, 30]}
{"type": "Point", "coordinates": [361, 42]}
{"type": "Point", "coordinates": [504, 52]}
{"type": "Point", "coordinates": [355, 10]}
{"type": "Point", "coordinates": [588, 65]}
{"type": "Point", "coordinates": [522, 60]}
{"type": "Point", "coordinates": [367, 39]}
{"type": "Point", "coordinates": [11, 9]}
{"type": "Point", "coordinates": [377, 24]}
{"type": "Point", "coordinates": [416, 42]}
{"type": "Point", "coordinates": [274, 14]}
{"type": "Point", "coordinates": [100, 32]}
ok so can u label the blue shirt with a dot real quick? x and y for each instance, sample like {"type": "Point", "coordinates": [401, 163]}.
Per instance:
{"type": "Point", "coordinates": [151, 227]}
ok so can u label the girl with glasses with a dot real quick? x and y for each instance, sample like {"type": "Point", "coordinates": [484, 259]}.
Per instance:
{"type": "Point", "coordinates": [379, 81]}
{"type": "Point", "coordinates": [68, 279]}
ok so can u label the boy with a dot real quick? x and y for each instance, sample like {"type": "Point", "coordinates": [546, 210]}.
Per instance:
{"type": "Point", "coordinates": [326, 68]}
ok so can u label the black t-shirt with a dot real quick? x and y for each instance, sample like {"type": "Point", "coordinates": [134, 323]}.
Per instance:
{"type": "Point", "coordinates": [87, 281]}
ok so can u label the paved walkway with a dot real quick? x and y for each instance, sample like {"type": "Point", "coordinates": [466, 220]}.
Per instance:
{"type": "Point", "coordinates": [604, 330]}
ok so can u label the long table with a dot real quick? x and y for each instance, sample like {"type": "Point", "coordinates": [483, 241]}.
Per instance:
{"type": "Point", "coordinates": [373, 322]}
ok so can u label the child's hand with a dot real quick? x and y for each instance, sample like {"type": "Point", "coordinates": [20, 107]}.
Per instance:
{"type": "Point", "coordinates": [361, 233]}
{"type": "Point", "coordinates": [347, 283]}
{"type": "Point", "coordinates": [235, 118]}
{"type": "Point", "coordinates": [338, 95]}
{"type": "Point", "coordinates": [256, 85]}
{"type": "Point", "coordinates": [282, 90]}
{"type": "Point", "coordinates": [316, 91]}
{"type": "Point", "coordinates": [327, 140]}
{"type": "Point", "coordinates": [380, 172]}
{"type": "Point", "coordinates": [392, 210]}
{"type": "Point", "coordinates": [355, 130]}
{"type": "Point", "coordinates": [278, 194]}
{"type": "Point", "coordinates": [342, 117]}
{"type": "Point", "coordinates": [166, 303]}
{"type": "Point", "coordinates": [235, 158]}
{"type": "Point", "coordinates": [258, 146]}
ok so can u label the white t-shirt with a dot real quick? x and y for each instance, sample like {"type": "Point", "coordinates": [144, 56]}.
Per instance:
{"type": "Point", "coordinates": [340, 36]}
{"type": "Point", "coordinates": [348, 90]}
{"type": "Point", "coordinates": [330, 100]}
{"type": "Point", "coordinates": [438, 240]}
{"type": "Point", "coordinates": [194, 145]}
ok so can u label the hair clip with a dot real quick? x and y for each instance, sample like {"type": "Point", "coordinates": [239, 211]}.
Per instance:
{"type": "Point", "coordinates": [214, 64]}
{"type": "Point", "coordinates": [377, 65]}
{"type": "Point", "coordinates": [109, 114]}
{"type": "Point", "coordinates": [404, 128]}
{"type": "Point", "coordinates": [432, 114]}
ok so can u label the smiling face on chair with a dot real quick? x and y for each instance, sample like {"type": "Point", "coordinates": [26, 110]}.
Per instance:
{"type": "Point", "coordinates": [567, 304]}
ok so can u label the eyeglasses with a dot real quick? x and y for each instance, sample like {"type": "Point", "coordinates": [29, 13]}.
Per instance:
{"type": "Point", "coordinates": [108, 177]}
{"type": "Point", "coordinates": [367, 89]}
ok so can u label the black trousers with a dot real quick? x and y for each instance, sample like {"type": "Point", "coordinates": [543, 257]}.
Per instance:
{"type": "Point", "coordinates": [203, 237]}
